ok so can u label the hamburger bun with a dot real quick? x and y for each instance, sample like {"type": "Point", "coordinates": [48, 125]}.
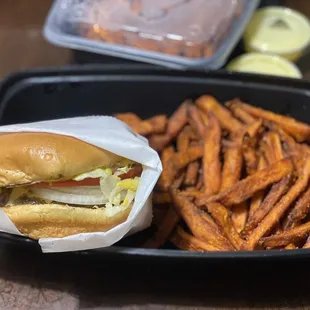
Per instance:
{"type": "Point", "coordinates": [57, 221]}
{"type": "Point", "coordinates": [26, 158]}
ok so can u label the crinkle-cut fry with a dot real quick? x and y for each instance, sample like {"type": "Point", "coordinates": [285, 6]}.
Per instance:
{"type": "Point", "coordinates": [181, 160]}
{"type": "Point", "coordinates": [289, 236]}
{"type": "Point", "coordinates": [258, 197]}
{"type": "Point", "coordinates": [211, 158]}
{"type": "Point", "coordinates": [183, 139]}
{"type": "Point", "coordinates": [164, 231]}
{"type": "Point", "coordinates": [276, 192]}
{"type": "Point", "coordinates": [307, 244]}
{"type": "Point", "coordinates": [175, 124]}
{"type": "Point", "coordinates": [238, 112]}
{"type": "Point", "coordinates": [222, 217]}
{"type": "Point", "coordinates": [245, 188]}
{"type": "Point", "coordinates": [299, 211]}
{"type": "Point", "coordinates": [160, 198]}
{"type": "Point", "coordinates": [239, 216]}
{"type": "Point", "coordinates": [184, 241]}
{"type": "Point", "coordinates": [279, 209]}
{"type": "Point", "coordinates": [196, 120]}
{"type": "Point", "coordinates": [169, 170]}
{"type": "Point", "coordinates": [300, 131]}
{"type": "Point", "coordinates": [192, 173]}
{"type": "Point", "coordinates": [210, 104]}
{"type": "Point", "coordinates": [232, 167]}
{"type": "Point", "coordinates": [198, 226]}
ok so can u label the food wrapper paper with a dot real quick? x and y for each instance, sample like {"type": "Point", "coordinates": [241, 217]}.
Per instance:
{"type": "Point", "coordinates": [115, 136]}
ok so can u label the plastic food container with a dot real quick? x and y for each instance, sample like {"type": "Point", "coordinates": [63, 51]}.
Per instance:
{"type": "Point", "coordinates": [278, 31]}
{"type": "Point", "coordinates": [176, 33]}
{"type": "Point", "coordinates": [264, 64]}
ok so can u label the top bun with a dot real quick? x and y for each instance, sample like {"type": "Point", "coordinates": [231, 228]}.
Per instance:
{"type": "Point", "coordinates": [32, 157]}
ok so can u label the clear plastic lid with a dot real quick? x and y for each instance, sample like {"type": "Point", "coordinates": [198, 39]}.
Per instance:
{"type": "Point", "coordinates": [188, 28]}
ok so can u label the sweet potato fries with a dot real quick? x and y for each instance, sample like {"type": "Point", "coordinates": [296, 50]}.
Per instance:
{"type": "Point", "coordinates": [235, 177]}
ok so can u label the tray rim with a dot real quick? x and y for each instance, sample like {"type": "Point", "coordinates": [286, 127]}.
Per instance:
{"type": "Point", "coordinates": [62, 73]}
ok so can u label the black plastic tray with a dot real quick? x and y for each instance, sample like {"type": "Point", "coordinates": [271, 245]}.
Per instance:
{"type": "Point", "coordinates": [86, 90]}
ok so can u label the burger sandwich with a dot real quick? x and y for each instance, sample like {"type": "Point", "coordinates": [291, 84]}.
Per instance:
{"type": "Point", "coordinates": [52, 186]}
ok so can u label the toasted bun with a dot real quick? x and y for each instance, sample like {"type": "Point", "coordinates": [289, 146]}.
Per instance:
{"type": "Point", "coordinates": [31, 157]}
{"type": "Point", "coordinates": [57, 221]}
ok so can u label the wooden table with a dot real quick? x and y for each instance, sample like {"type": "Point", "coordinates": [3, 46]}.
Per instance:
{"type": "Point", "coordinates": [30, 280]}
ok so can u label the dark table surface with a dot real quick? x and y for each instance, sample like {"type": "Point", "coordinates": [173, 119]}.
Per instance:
{"type": "Point", "coordinates": [31, 280]}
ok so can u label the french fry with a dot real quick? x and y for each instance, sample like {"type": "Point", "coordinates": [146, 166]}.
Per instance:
{"type": "Point", "coordinates": [279, 209]}
{"type": "Point", "coordinates": [300, 131]}
{"type": "Point", "coordinates": [245, 188]}
{"type": "Point", "coordinates": [290, 236]}
{"type": "Point", "coordinates": [298, 152]}
{"type": "Point", "coordinates": [299, 211]}
{"type": "Point", "coordinates": [222, 217]}
{"type": "Point", "coordinates": [175, 124]}
{"type": "Point", "coordinates": [211, 158]}
{"type": "Point", "coordinates": [290, 246]}
{"type": "Point", "coordinates": [253, 129]}
{"type": "Point", "coordinates": [178, 181]}
{"type": "Point", "coordinates": [198, 226]}
{"type": "Point", "coordinates": [192, 193]}
{"type": "Point", "coordinates": [181, 160]}
{"type": "Point", "coordinates": [249, 155]}
{"type": "Point", "coordinates": [232, 167]}
{"type": "Point", "coordinates": [185, 241]}
{"type": "Point", "coordinates": [199, 184]}
{"type": "Point", "coordinates": [131, 119]}
{"type": "Point", "coordinates": [272, 148]}
{"type": "Point", "coordinates": [160, 141]}
{"type": "Point", "coordinates": [239, 216]}
{"type": "Point", "coordinates": [159, 214]}
{"type": "Point", "coordinates": [192, 173]}
{"type": "Point", "coordinates": [160, 198]}
{"type": "Point", "coordinates": [164, 230]}
{"type": "Point", "coordinates": [238, 112]}
{"type": "Point", "coordinates": [210, 104]}
{"type": "Point", "coordinates": [169, 170]}
{"type": "Point", "coordinates": [184, 139]}
{"type": "Point", "coordinates": [196, 120]}
{"type": "Point", "coordinates": [258, 197]}
{"type": "Point", "coordinates": [307, 244]}
{"type": "Point", "coordinates": [276, 192]}
{"type": "Point", "coordinates": [157, 124]}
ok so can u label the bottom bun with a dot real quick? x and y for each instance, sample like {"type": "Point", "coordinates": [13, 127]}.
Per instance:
{"type": "Point", "coordinates": [57, 221]}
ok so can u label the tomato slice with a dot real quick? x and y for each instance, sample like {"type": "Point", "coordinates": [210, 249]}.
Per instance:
{"type": "Point", "coordinates": [69, 183]}
{"type": "Point", "coordinates": [134, 172]}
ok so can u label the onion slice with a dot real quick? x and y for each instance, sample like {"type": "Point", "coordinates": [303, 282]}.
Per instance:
{"type": "Point", "coordinates": [88, 195]}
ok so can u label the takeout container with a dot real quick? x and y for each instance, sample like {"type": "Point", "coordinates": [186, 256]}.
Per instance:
{"type": "Point", "coordinates": [80, 91]}
{"type": "Point", "coordinates": [278, 31]}
{"type": "Point", "coordinates": [175, 33]}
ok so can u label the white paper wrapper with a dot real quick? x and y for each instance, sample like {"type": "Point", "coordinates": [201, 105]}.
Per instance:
{"type": "Point", "coordinates": [113, 135]}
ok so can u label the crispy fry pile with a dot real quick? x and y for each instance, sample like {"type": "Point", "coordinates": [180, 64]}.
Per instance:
{"type": "Point", "coordinates": [235, 177]}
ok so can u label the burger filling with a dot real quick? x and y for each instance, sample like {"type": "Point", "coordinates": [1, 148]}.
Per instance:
{"type": "Point", "coordinates": [102, 187]}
